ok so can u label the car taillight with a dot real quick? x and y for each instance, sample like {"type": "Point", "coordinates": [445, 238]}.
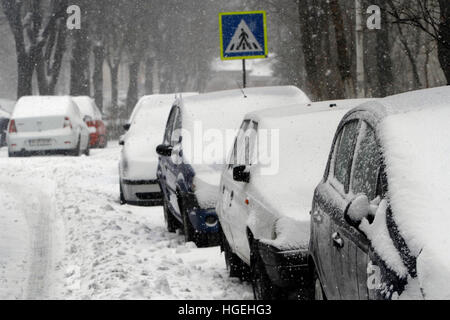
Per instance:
{"type": "Point", "coordinates": [12, 127]}
{"type": "Point", "coordinates": [90, 123]}
{"type": "Point", "coordinates": [67, 123]}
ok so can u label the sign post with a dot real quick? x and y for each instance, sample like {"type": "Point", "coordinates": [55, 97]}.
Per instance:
{"type": "Point", "coordinates": [243, 35]}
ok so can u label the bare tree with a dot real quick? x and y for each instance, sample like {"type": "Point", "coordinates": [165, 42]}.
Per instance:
{"type": "Point", "coordinates": [40, 42]}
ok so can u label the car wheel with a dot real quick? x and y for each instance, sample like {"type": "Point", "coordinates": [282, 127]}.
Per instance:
{"type": "Point", "coordinates": [170, 220]}
{"type": "Point", "coordinates": [122, 197]}
{"type": "Point", "coordinates": [87, 152]}
{"type": "Point", "coordinates": [318, 289]}
{"type": "Point", "coordinates": [236, 267]}
{"type": "Point", "coordinates": [188, 229]}
{"type": "Point", "coordinates": [77, 151]}
{"type": "Point", "coordinates": [263, 288]}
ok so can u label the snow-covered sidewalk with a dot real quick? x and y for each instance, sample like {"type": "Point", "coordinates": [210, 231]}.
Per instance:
{"type": "Point", "coordinates": [65, 236]}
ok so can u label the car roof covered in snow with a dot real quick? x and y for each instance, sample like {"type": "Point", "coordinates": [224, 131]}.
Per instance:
{"type": "Point", "coordinates": [225, 109]}
{"type": "Point", "coordinates": [41, 106]}
{"type": "Point", "coordinates": [87, 107]}
{"type": "Point", "coordinates": [312, 107]}
{"type": "Point", "coordinates": [407, 102]}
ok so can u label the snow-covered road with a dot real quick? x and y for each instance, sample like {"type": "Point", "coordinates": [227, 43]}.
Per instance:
{"type": "Point", "coordinates": [65, 236]}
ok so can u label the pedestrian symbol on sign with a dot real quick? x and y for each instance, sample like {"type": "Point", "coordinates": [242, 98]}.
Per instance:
{"type": "Point", "coordinates": [243, 40]}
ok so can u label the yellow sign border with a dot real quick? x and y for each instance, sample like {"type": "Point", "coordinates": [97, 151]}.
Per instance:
{"type": "Point", "coordinates": [266, 48]}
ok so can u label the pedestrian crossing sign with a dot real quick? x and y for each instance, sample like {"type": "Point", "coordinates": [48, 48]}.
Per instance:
{"type": "Point", "coordinates": [243, 35]}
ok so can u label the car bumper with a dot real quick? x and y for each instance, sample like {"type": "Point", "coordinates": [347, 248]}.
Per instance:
{"type": "Point", "coordinates": [56, 142]}
{"type": "Point", "coordinates": [142, 193]}
{"type": "Point", "coordinates": [284, 268]}
{"type": "Point", "coordinates": [203, 220]}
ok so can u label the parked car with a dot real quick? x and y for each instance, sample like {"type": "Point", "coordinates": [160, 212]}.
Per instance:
{"type": "Point", "coordinates": [266, 192]}
{"type": "Point", "coordinates": [94, 120]}
{"type": "Point", "coordinates": [380, 218]}
{"type": "Point", "coordinates": [139, 160]}
{"type": "Point", "coordinates": [4, 120]}
{"type": "Point", "coordinates": [198, 137]}
{"type": "Point", "coordinates": [42, 124]}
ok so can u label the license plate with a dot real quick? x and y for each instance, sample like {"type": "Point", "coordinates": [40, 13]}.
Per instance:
{"type": "Point", "coordinates": [40, 142]}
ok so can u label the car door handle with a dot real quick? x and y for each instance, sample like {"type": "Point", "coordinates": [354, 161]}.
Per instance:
{"type": "Point", "coordinates": [338, 242]}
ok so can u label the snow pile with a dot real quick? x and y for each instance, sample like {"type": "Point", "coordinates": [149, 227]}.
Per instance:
{"type": "Point", "coordinates": [109, 251]}
{"type": "Point", "coordinates": [41, 106]}
{"type": "Point", "coordinates": [210, 122]}
{"type": "Point", "coordinates": [297, 163]}
{"type": "Point", "coordinates": [148, 124]}
{"type": "Point", "coordinates": [206, 180]}
{"type": "Point", "coordinates": [417, 150]}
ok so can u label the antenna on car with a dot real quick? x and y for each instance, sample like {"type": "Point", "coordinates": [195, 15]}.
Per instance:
{"type": "Point", "coordinates": [242, 89]}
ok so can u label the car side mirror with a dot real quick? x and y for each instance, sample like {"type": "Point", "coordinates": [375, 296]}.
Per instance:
{"type": "Point", "coordinates": [241, 174]}
{"type": "Point", "coordinates": [357, 210]}
{"type": "Point", "coordinates": [87, 119]}
{"type": "Point", "coordinates": [127, 126]}
{"type": "Point", "coordinates": [164, 150]}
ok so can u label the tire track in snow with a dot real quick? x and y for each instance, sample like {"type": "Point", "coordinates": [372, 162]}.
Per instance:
{"type": "Point", "coordinates": [39, 209]}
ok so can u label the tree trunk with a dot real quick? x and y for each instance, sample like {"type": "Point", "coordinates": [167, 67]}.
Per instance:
{"type": "Point", "coordinates": [360, 71]}
{"type": "Point", "coordinates": [79, 65]}
{"type": "Point", "coordinates": [444, 33]}
{"type": "Point", "coordinates": [344, 57]}
{"type": "Point", "coordinates": [97, 77]}
{"type": "Point", "coordinates": [308, 41]}
{"type": "Point", "coordinates": [384, 61]}
{"type": "Point", "coordinates": [114, 70]}
{"type": "Point", "coordinates": [133, 87]}
{"type": "Point", "coordinates": [149, 76]}
{"type": "Point", "coordinates": [25, 72]}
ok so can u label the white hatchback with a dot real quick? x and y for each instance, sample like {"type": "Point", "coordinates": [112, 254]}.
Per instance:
{"type": "Point", "coordinates": [41, 124]}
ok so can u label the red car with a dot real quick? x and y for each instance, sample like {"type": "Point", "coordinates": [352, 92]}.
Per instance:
{"type": "Point", "coordinates": [93, 118]}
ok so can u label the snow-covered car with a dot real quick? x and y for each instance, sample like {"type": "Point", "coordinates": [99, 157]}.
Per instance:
{"type": "Point", "coordinates": [52, 124]}
{"type": "Point", "coordinates": [139, 160]}
{"type": "Point", "coordinates": [4, 120]}
{"type": "Point", "coordinates": [380, 218]}
{"type": "Point", "coordinates": [94, 120]}
{"type": "Point", "coordinates": [199, 135]}
{"type": "Point", "coordinates": [266, 191]}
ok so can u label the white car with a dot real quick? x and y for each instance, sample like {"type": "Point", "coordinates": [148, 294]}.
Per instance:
{"type": "Point", "coordinates": [139, 161]}
{"type": "Point", "coordinates": [266, 191]}
{"type": "Point", "coordinates": [41, 125]}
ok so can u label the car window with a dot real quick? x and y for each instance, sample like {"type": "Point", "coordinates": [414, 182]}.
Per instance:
{"type": "Point", "coordinates": [169, 126]}
{"type": "Point", "coordinates": [344, 153]}
{"type": "Point", "coordinates": [367, 162]}
{"type": "Point", "coordinates": [238, 145]}
{"type": "Point", "coordinates": [176, 134]}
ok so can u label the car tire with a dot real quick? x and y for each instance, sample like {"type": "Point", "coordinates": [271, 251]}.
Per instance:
{"type": "Point", "coordinates": [319, 294]}
{"type": "Point", "coordinates": [87, 152]}
{"type": "Point", "coordinates": [188, 229]}
{"type": "Point", "coordinates": [77, 151]}
{"type": "Point", "coordinates": [236, 267]}
{"type": "Point", "coordinates": [171, 222]}
{"type": "Point", "coordinates": [103, 142]}
{"type": "Point", "coordinates": [122, 196]}
{"type": "Point", "coordinates": [263, 288]}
